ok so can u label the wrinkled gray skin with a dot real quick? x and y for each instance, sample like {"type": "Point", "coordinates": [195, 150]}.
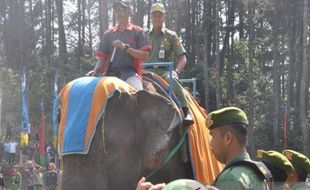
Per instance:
{"type": "Point", "coordinates": [137, 138]}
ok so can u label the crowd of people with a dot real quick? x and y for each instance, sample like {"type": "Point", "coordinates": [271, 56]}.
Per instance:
{"type": "Point", "coordinates": [19, 168]}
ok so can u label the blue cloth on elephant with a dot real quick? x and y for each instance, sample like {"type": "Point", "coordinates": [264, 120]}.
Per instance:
{"type": "Point", "coordinates": [82, 104]}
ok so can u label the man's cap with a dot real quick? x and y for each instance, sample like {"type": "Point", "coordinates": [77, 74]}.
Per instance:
{"type": "Point", "coordinates": [123, 3]}
{"type": "Point", "coordinates": [225, 116]}
{"type": "Point", "coordinates": [184, 184]}
{"type": "Point", "coordinates": [158, 7]}
{"type": "Point", "coordinates": [298, 160]}
{"type": "Point", "coordinates": [276, 159]}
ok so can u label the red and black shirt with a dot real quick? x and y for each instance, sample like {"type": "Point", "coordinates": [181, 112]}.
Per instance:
{"type": "Point", "coordinates": [124, 65]}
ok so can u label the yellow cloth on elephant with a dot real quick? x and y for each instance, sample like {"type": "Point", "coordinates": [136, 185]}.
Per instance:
{"type": "Point", "coordinates": [83, 102]}
{"type": "Point", "coordinates": [205, 166]}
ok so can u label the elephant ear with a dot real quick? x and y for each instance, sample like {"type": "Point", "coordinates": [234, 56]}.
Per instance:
{"type": "Point", "coordinates": [158, 117]}
{"type": "Point", "coordinates": [158, 111]}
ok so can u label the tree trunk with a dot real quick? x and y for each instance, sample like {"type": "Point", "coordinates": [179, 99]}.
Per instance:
{"type": "Point", "coordinates": [83, 19]}
{"type": "Point", "coordinates": [303, 87]}
{"type": "Point", "coordinates": [291, 79]}
{"type": "Point", "coordinates": [1, 103]}
{"type": "Point", "coordinates": [79, 28]}
{"type": "Point", "coordinates": [251, 12]}
{"type": "Point", "coordinates": [241, 20]}
{"type": "Point", "coordinates": [217, 57]}
{"type": "Point", "coordinates": [189, 26]}
{"type": "Point", "coordinates": [90, 27]}
{"type": "Point", "coordinates": [291, 68]}
{"type": "Point", "coordinates": [48, 24]}
{"type": "Point", "coordinates": [229, 32]}
{"type": "Point", "coordinates": [103, 17]}
{"type": "Point", "coordinates": [206, 51]}
{"type": "Point", "coordinates": [139, 14]}
{"type": "Point", "coordinates": [276, 76]}
{"type": "Point", "coordinates": [63, 54]}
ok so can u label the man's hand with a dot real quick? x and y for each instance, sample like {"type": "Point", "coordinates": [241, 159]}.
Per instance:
{"type": "Point", "coordinates": [159, 186]}
{"type": "Point", "coordinates": [91, 73]}
{"type": "Point", "coordinates": [143, 185]}
{"type": "Point", "coordinates": [119, 44]}
{"type": "Point", "coordinates": [175, 75]}
{"type": "Point", "coordinates": [209, 187]}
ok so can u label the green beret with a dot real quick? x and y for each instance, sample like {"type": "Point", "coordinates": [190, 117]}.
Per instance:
{"type": "Point", "coordinates": [184, 184]}
{"type": "Point", "coordinates": [298, 160]}
{"type": "Point", "coordinates": [158, 7]}
{"type": "Point", "coordinates": [228, 115]}
{"type": "Point", "coordinates": [276, 159]}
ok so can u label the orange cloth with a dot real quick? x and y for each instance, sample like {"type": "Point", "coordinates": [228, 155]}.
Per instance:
{"type": "Point", "coordinates": [205, 166]}
{"type": "Point", "coordinates": [103, 91]}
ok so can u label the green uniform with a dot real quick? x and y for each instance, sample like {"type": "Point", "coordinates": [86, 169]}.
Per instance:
{"type": "Point", "coordinates": [300, 186]}
{"type": "Point", "coordinates": [172, 46]}
{"type": "Point", "coordinates": [301, 164]}
{"type": "Point", "coordinates": [239, 177]}
{"type": "Point", "coordinates": [170, 42]}
{"type": "Point", "coordinates": [16, 182]}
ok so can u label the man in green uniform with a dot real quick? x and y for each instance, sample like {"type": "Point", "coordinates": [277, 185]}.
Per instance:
{"type": "Point", "coordinates": [166, 47]}
{"type": "Point", "coordinates": [279, 166]}
{"type": "Point", "coordinates": [228, 129]}
{"type": "Point", "coordinates": [16, 179]}
{"type": "Point", "coordinates": [302, 168]}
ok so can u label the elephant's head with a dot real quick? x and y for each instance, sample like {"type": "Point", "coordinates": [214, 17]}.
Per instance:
{"type": "Point", "coordinates": [138, 132]}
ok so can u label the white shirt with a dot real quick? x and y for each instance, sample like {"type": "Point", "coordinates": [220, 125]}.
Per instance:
{"type": "Point", "coordinates": [12, 147]}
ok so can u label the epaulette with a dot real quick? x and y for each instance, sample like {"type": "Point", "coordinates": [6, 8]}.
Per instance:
{"type": "Point", "coordinates": [170, 32]}
{"type": "Point", "coordinates": [258, 167]}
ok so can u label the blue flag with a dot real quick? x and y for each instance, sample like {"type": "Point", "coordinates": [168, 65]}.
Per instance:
{"type": "Point", "coordinates": [25, 114]}
{"type": "Point", "coordinates": [55, 103]}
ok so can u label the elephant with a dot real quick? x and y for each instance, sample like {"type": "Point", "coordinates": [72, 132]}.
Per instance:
{"type": "Point", "coordinates": [139, 132]}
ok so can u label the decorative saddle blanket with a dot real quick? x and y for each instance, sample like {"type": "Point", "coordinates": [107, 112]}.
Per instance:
{"type": "Point", "coordinates": [83, 103]}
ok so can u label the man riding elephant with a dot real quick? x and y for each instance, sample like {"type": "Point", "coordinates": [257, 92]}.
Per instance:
{"type": "Point", "coordinates": [122, 49]}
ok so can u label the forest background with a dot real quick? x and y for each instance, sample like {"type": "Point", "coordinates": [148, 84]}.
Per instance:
{"type": "Point", "coordinates": [253, 54]}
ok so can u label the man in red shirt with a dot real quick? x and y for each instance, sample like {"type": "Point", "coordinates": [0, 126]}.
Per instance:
{"type": "Point", "coordinates": [122, 49]}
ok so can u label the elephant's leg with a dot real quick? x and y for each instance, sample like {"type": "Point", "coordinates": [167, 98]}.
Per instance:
{"type": "Point", "coordinates": [82, 172]}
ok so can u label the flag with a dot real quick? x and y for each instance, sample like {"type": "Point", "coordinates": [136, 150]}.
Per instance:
{"type": "Point", "coordinates": [284, 126]}
{"type": "Point", "coordinates": [25, 114]}
{"type": "Point", "coordinates": [42, 135]}
{"type": "Point", "coordinates": [24, 139]}
{"type": "Point", "coordinates": [54, 116]}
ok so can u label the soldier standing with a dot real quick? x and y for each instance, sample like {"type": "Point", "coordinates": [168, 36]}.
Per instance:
{"type": "Point", "coordinates": [228, 129]}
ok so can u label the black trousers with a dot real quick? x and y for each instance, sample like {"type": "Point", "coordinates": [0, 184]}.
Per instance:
{"type": "Point", "coordinates": [12, 158]}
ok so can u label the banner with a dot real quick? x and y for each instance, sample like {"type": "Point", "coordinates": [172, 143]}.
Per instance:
{"type": "Point", "coordinates": [25, 114]}
{"type": "Point", "coordinates": [54, 116]}
{"type": "Point", "coordinates": [24, 139]}
{"type": "Point", "coordinates": [42, 135]}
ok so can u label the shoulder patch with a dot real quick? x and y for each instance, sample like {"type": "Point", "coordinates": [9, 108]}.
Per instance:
{"type": "Point", "coordinates": [170, 32]}
{"type": "Point", "coordinates": [177, 42]}
{"type": "Point", "coordinates": [258, 167]}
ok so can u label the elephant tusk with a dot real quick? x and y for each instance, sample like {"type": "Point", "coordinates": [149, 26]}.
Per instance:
{"type": "Point", "coordinates": [175, 121]}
